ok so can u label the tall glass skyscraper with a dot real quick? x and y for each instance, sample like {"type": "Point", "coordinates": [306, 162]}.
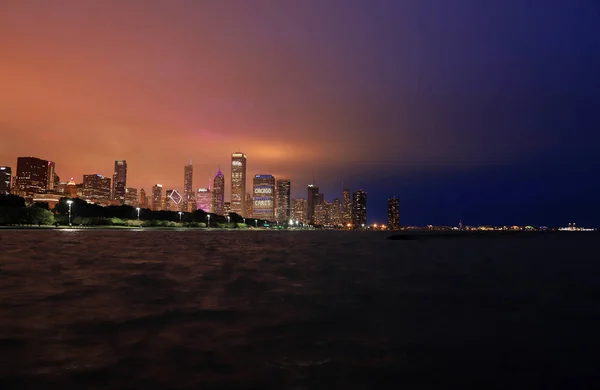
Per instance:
{"type": "Point", "coordinates": [188, 189]}
{"type": "Point", "coordinates": [346, 207]}
{"type": "Point", "coordinates": [238, 183]}
{"type": "Point", "coordinates": [284, 200]}
{"type": "Point", "coordinates": [156, 197]}
{"type": "Point", "coordinates": [219, 193]}
{"type": "Point", "coordinates": [312, 200]}
{"type": "Point", "coordinates": [119, 181]}
{"type": "Point", "coordinates": [264, 197]}
{"type": "Point", "coordinates": [359, 209]}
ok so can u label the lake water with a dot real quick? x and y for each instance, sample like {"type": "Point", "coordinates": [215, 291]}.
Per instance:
{"type": "Point", "coordinates": [165, 309]}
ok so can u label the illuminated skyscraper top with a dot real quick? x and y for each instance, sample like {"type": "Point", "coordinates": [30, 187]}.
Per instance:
{"type": "Point", "coordinates": [219, 193]}
{"type": "Point", "coordinates": [238, 183]}
{"type": "Point", "coordinates": [119, 181]}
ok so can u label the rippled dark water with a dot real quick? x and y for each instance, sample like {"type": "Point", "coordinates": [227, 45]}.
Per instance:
{"type": "Point", "coordinates": [297, 310]}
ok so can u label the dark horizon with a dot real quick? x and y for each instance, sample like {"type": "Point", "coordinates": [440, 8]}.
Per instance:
{"type": "Point", "coordinates": [463, 110]}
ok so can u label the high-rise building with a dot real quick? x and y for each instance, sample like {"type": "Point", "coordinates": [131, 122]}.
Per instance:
{"type": "Point", "coordinates": [322, 214]}
{"type": "Point", "coordinates": [336, 213]}
{"type": "Point", "coordinates": [312, 200]}
{"type": "Point", "coordinates": [96, 188]}
{"type": "Point", "coordinates": [173, 200]}
{"type": "Point", "coordinates": [393, 213]}
{"type": "Point", "coordinates": [300, 210]}
{"type": "Point", "coordinates": [238, 183]}
{"type": "Point", "coordinates": [204, 200]}
{"type": "Point", "coordinates": [346, 207]}
{"type": "Point", "coordinates": [131, 197]}
{"type": "Point", "coordinates": [119, 181]}
{"type": "Point", "coordinates": [226, 208]}
{"type": "Point", "coordinates": [51, 176]}
{"type": "Point", "coordinates": [189, 200]}
{"type": "Point", "coordinates": [248, 206]}
{"type": "Point", "coordinates": [359, 209]}
{"type": "Point", "coordinates": [32, 177]}
{"type": "Point", "coordinates": [219, 193]}
{"type": "Point", "coordinates": [284, 200]}
{"type": "Point", "coordinates": [5, 179]}
{"type": "Point", "coordinates": [157, 197]}
{"type": "Point", "coordinates": [264, 197]}
{"type": "Point", "coordinates": [143, 200]}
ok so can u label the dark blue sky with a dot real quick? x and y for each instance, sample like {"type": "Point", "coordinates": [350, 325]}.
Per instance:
{"type": "Point", "coordinates": [485, 111]}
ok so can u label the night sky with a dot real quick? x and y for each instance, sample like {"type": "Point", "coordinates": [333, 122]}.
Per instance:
{"type": "Point", "coordinates": [485, 111]}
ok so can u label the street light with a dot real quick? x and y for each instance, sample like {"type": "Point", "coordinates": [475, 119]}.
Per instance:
{"type": "Point", "coordinates": [256, 222]}
{"type": "Point", "coordinates": [208, 222]}
{"type": "Point", "coordinates": [180, 216]}
{"type": "Point", "coordinates": [244, 221]}
{"type": "Point", "coordinates": [69, 202]}
{"type": "Point", "coordinates": [138, 211]}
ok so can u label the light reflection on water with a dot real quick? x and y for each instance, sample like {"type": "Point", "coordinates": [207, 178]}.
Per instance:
{"type": "Point", "coordinates": [118, 309]}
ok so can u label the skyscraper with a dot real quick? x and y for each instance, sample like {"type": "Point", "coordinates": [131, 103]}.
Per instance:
{"type": "Point", "coordinates": [131, 197]}
{"type": "Point", "coordinates": [119, 181]}
{"type": "Point", "coordinates": [143, 201]}
{"type": "Point", "coordinates": [284, 200]}
{"type": "Point", "coordinates": [218, 193]}
{"type": "Point", "coordinates": [188, 189]}
{"type": "Point", "coordinates": [346, 207]}
{"type": "Point", "coordinates": [312, 200]}
{"type": "Point", "coordinates": [5, 179]}
{"type": "Point", "coordinates": [32, 177]}
{"type": "Point", "coordinates": [96, 188]}
{"type": "Point", "coordinates": [264, 197]}
{"type": "Point", "coordinates": [226, 208]}
{"type": "Point", "coordinates": [173, 200]}
{"type": "Point", "coordinates": [156, 197]}
{"type": "Point", "coordinates": [204, 200]}
{"type": "Point", "coordinates": [336, 213]}
{"type": "Point", "coordinates": [393, 213]}
{"type": "Point", "coordinates": [51, 176]}
{"type": "Point", "coordinates": [359, 209]}
{"type": "Point", "coordinates": [248, 206]}
{"type": "Point", "coordinates": [300, 210]}
{"type": "Point", "coordinates": [238, 183]}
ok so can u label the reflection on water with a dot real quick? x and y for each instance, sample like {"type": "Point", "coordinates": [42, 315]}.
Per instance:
{"type": "Point", "coordinates": [277, 310]}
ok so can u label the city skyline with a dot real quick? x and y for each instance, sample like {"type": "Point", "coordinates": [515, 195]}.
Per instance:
{"type": "Point", "coordinates": [435, 102]}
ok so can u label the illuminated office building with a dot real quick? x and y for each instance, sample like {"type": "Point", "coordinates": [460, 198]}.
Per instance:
{"type": "Point", "coordinates": [143, 199]}
{"type": "Point", "coordinates": [335, 214]}
{"type": "Point", "coordinates": [173, 200]}
{"type": "Point", "coordinates": [156, 197]}
{"type": "Point", "coordinates": [393, 213]}
{"type": "Point", "coordinates": [204, 200]}
{"type": "Point", "coordinates": [226, 208]}
{"type": "Point", "coordinates": [300, 207]}
{"type": "Point", "coordinates": [238, 183]}
{"type": "Point", "coordinates": [32, 177]}
{"type": "Point", "coordinates": [51, 176]}
{"type": "Point", "coordinates": [131, 197]}
{"type": "Point", "coordinates": [264, 197]}
{"type": "Point", "coordinates": [5, 180]}
{"type": "Point", "coordinates": [218, 193]}
{"type": "Point", "coordinates": [312, 200]}
{"type": "Point", "coordinates": [119, 181]}
{"type": "Point", "coordinates": [189, 200]}
{"type": "Point", "coordinates": [359, 209]}
{"type": "Point", "coordinates": [346, 207]}
{"type": "Point", "coordinates": [96, 188]}
{"type": "Point", "coordinates": [284, 200]}
{"type": "Point", "coordinates": [248, 206]}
